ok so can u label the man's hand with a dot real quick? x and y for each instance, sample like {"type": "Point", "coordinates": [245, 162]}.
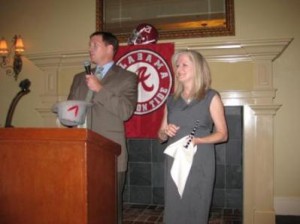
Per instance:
{"type": "Point", "coordinates": [93, 83]}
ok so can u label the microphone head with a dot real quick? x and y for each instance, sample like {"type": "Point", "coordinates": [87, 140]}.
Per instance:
{"type": "Point", "coordinates": [87, 66]}
{"type": "Point", "coordinates": [25, 84]}
{"type": "Point", "coordinates": [87, 63]}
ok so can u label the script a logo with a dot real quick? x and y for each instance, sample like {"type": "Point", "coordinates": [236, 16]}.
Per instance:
{"type": "Point", "coordinates": [75, 109]}
{"type": "Point", "coordinates": [155, 79]}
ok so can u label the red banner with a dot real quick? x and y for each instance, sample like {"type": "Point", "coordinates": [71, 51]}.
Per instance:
{"type": "Point", "coordinates": [152, 64]}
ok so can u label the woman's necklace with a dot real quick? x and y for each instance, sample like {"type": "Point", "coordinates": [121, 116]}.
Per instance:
{"type": "Point", "coordinates": [187, 98]}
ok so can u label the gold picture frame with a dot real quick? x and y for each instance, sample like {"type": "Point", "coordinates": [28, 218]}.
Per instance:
{"type": "Point", "coordinates": [210, 25]}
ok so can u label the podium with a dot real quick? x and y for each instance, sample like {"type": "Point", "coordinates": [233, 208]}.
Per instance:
{"type": "Point", "coordinates": [57, 176]}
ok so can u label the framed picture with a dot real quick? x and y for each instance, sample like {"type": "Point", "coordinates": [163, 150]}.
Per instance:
{"type": "Point", "coordinates": [172, 18]}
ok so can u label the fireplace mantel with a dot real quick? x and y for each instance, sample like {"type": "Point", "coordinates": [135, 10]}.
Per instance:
{"type": "Point", "coordinates": [220, 51]}
{"type": "Point", "coordinates": [259, 109]}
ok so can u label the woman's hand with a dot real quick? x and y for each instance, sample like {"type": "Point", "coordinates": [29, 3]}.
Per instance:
{"type": "Point", "coordinates": [171, 130]}
{"type": "Point", "coordinates": [166, 130]}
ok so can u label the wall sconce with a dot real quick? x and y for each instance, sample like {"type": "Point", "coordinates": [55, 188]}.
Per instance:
{"type": "Point", "coordinates": [18, 47]}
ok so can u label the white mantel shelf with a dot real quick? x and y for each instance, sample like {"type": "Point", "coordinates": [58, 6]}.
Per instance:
{"type": "Point", "coordinates": [221, 51]}
{"type": "Point", "coordinates": [237, 50]}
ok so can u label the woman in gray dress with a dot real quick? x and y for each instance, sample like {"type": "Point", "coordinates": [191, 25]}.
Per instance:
{"type": "Point", "coordinates": [193, 100]}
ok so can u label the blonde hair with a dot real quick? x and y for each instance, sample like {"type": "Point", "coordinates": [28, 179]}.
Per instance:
{"type": "Point", "coordinates": [202, 77]}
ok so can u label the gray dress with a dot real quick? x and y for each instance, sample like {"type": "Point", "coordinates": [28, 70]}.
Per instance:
{"type": "Point", "coordinates": [193, 207]}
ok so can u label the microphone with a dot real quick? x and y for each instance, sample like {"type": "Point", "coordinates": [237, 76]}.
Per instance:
{"type": "Point", "coordinates": [87, 66]}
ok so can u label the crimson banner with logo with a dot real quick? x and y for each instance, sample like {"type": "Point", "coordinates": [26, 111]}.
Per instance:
{"type": "Point", "coordinates": [152, 64]}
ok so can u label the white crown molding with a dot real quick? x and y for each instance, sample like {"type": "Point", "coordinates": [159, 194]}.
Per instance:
{"type": "Point", "coordinates": [59, 58]}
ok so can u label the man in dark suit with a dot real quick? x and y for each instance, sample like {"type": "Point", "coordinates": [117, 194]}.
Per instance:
{"type": "Point", "coordinates": [114, 97]}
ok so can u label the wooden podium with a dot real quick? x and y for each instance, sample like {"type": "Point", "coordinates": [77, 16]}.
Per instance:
{"type": "Point", "coordinates": [57, 176]}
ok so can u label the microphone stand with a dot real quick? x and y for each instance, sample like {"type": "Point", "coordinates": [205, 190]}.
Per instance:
{"type": "Point", "coordinates": [24, 85]}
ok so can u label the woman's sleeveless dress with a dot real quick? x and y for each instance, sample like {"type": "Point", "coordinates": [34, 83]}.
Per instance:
{"type": "Point", "coordinates": [193, 207]}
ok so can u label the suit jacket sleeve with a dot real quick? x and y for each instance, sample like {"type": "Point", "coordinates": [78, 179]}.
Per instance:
{"type": "Point", "coordinates": [78, 88]}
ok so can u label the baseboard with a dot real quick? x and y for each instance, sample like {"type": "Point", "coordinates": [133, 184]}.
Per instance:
{"type": "Point", "coordinates": [287, 206]}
